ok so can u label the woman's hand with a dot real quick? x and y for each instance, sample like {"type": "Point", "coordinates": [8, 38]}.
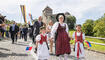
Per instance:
{"type": "Point", "coordinates": [51, 38]}
{"type": "Point", "coordinates": [72, 38]}
{"type": "Point", "coordinates": [85, 40]}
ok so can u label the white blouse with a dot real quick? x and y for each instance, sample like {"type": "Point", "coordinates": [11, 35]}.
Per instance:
{"type": "Point", "coordinates": [78, 34]}
{"type": "Point", "coordinates": [55, 27]}
{"type": "Point", "coordinates": [38, 37]}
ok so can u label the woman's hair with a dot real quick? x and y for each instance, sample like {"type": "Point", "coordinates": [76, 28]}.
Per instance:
{"type": "Point", "coordinates": [50, 22]}
{"type": "Point", "coordinates": [57, 17]}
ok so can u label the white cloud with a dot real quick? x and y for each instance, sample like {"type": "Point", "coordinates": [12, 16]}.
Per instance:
{"type": "Point", "coordinates": [78, 8]}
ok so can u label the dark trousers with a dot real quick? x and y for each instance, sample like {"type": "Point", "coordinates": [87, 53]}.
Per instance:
{"type": "Point", "coordinates": [13, 36]}
{"type": "Point", "coordinates": [33, 39]}
{"type": "Point", "coordinates": [16, 37]}
{"type": "Point", "coordinates": [20, 35]}
{"type": "Point", "coordinates": [7, 34]}
{"type": "Point", "coordinates": [25, 37]}
{"type": "Point", "coordinates": [3, 33]}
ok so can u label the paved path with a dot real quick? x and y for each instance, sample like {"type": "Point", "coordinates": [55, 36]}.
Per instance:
{"type": "Point", "coordinates": [17, 51]}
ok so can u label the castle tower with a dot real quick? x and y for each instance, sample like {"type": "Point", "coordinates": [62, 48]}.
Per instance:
{"type": "Point", "coordinates": [48, 15]}
{"type": "Point", "coordinates": [2, 18]}
{"type": "Point", "coordinates": [47, 12]}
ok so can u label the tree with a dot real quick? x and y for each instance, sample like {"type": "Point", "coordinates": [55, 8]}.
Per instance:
{"type": "Point", "coordinates": [95, 28]}
{"type": "Point", "coordinates": [71, 21]}
{"type": "Point", "coordinates": [87, 27]}
{"type": "Point", "coordinates": [99, 27]}
{"type": "Point", "coordinates": [34, 21]}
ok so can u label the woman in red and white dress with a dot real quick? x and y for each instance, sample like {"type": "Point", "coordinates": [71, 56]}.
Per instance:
{"type": "Point", "coordinates": [62, 38]}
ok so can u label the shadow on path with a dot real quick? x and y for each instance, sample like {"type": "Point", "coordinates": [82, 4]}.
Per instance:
{"type": "Point", "coordinates": [4, 49]}
{"type": "Point", "coordinates": [22, 44]}
{"type": "Point", "coordinates": [12, 54]}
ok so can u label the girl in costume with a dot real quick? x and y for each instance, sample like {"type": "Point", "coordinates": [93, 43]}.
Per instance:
{"type": "Point", "coordinates": [62, 40]}
{"type": "Point", "coordinates": [41, 45]}
{"type": "Point", "coordinates": [49, 27]}
{"type": "Point", "coordinates": [79, 37]}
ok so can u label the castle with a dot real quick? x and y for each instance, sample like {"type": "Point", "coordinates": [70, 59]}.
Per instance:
{"type": "Point", "coordinates": [2, 18]}
{"type": "Point", "coordinates": [48, 15]}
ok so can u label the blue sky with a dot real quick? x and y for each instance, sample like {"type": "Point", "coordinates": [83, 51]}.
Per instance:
{"type": "Point", "coordinates": [81, 9]}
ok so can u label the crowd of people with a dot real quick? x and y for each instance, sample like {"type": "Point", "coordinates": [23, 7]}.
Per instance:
{"type": "Point", "coordinates": [45, 35]}
{"type": "Point", "coordinates": [4, 29]}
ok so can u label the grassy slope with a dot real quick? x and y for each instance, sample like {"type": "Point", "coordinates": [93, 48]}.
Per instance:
{"type": "Point", "coordinates": [94, 47]}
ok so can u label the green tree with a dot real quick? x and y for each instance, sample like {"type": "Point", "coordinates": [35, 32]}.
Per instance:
{"type": "Point", "coordinates": [19, 24]}
{"type": "Point", "coordinates": [71, 21]}
{"type": "Point", "coordinates": [34, 21]}
{"type": "Point", "coordinates": [99, 27]}
{"type": "Point", "coordinates": [87, 27]}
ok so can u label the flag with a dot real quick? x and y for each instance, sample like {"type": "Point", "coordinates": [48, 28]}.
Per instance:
{"type": "Point", "coordinates": [28, 48]}
{"type": "Point", "coordinates": [23, 10]}
{"type": "Point", "coordinates": [88, 43]}
{"type": "Point", "coordinates": [30, 16]}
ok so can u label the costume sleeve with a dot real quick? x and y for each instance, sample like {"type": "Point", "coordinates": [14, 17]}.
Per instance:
{"type": "Point", "coordinates": [73, 35]}
{"type": "Point", "coordinates": [54, 29]}
{"type": "Point", "coordinates": [38, 38]}
{"type": "Point", "coordinates": [67, 28]}
{"type": "Point", "coordinates": [83, 36]}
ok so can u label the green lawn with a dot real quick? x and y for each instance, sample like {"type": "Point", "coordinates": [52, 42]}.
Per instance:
{"type": "Point", "coordinates": [94, 47]}
{"type": "Point", "coordinates": [97, 47]}
{"type": "Point", "coordinates": [96, 40]}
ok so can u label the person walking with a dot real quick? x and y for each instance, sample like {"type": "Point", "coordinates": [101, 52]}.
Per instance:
{"type": "Point", "coordinates": [42, 45]}
{"type": "Point", "coordinates": [36, 28]}
{"type": "Point", "coordinates": [62, 38]}
{"type": "Point", "coordinates": [49, 27]}
{"type": "Point", "coordinates": [25, 31]}
{"type": "Point", "coordinates": [13, 31]}
{"type": "Point", "coordinates": [79, 38]}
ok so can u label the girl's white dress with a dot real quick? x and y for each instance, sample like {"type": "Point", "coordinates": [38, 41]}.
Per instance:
{"type": "Point", "coordinates": [42, 49]}
{"type": "Point", "coordinates": [81, 45]}
{"type": "Point", "coordinates": [49, 33]}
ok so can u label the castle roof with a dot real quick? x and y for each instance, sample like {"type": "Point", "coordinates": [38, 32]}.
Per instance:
{"type": "Point", "coordinates": [47, 8]}
{"type": "Point", "coordinates": [2, 15]}
{"type": "Point", "coordinates": [67, 13]}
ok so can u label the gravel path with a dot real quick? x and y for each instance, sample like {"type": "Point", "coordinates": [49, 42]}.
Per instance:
{"type": "Point", "coordinates": [17, 51]}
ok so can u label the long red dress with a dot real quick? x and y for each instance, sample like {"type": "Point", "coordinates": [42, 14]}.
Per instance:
{"type": "Point", "coordinates": [62, 41]}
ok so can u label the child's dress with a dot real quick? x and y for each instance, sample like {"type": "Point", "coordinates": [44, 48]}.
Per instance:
{"type": "Point", "coordinates": [49, 33]}
{"type": "Point", "coordinates": [42, 49]}
{"type": "Point", "coordinates": [79, 48]}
